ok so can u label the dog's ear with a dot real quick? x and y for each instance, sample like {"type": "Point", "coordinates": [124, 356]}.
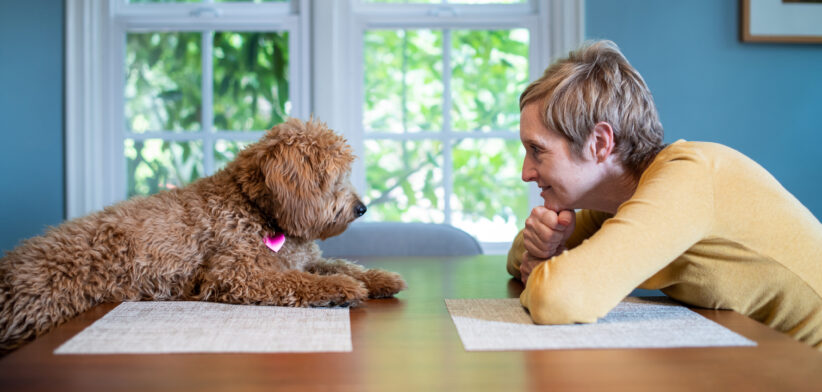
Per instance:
{"type": "Point", "coordinates": [301, 163]}
{"type": "Point", "coordinates": [289, 173]}
{"type": "Point", "coordinates": [304, 158]}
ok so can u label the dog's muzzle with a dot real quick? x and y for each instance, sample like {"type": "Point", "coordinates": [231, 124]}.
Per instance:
{"type": "Point", "coordinates": [360, 209]}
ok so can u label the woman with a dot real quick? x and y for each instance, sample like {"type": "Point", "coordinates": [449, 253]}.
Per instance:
{"type": "Point", "coordinates": [699, 221]}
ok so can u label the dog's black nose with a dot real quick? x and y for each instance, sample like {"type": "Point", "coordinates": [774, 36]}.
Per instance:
{"type": "Point", "coordinates": [361, 209]}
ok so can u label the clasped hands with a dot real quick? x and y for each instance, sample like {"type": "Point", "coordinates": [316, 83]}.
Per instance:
{"type": "Point", "coordinates": [544, 236]}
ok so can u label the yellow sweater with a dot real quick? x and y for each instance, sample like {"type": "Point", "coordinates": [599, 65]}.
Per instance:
{"type": "Point", "coordinates": [708, 227]}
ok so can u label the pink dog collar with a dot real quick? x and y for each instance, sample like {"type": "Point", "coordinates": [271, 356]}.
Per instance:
{"type": "Point", "coordinates": [275, 242]}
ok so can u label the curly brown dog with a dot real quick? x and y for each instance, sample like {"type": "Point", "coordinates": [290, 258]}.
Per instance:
{"type": "Point", "coordinates": [205, 241]}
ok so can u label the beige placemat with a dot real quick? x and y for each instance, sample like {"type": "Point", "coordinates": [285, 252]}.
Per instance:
{"type": "Point", "coordinates": [504, 325]}
{"type": "Point", "coordinates": [205, 327]}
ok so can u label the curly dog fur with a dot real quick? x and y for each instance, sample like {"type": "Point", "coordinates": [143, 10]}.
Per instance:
{"type": "Point", "coordinates": [203, 241]}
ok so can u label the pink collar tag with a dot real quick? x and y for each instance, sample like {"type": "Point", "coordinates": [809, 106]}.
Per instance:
{"type": "Point", "coordinates": [275, 242]}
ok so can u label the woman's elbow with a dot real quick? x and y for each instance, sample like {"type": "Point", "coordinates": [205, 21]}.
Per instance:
{"type": "Point", "coordinates": [554, 309]}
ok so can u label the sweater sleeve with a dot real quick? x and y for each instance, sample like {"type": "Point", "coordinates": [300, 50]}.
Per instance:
{"type": "Point", "coordinates": [515, 256]}
{"type": "Point", "coordinates": [587, 223]}
{"type": "Point", "coordinates": [671, 209]}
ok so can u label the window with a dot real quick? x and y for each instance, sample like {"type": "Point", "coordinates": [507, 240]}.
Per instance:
{"type": "Point", "coordinates": [193, 99]}
{"type": "Point", "coordinates": [434, 94]}
{"type": "Point", "coordinates": [199, 89]}
{"type": "Point", "coordinates": [162, 92]}
{"type": "Point", "coordinates": [440, 119]}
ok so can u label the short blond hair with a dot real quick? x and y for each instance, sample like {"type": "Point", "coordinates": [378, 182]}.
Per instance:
{"type": "Point", "coordinates": [596, 83]}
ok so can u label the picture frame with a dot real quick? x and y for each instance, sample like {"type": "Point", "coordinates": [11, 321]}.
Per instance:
{"type": "Point", "coordinates": [781, 21]}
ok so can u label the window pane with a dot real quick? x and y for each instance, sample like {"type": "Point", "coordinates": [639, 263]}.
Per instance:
{"type": "Point", "coordinates": [226, 150]}
{"type": "Point", "coordinates": [250, 80]}
{"type": "Point", "coordinates": [490, 200]}
{"type": "Point", "coordinates": [404, 181]}
{"type": "Point", "coordinates": [404, 1]}
{"type": "Point", "coordinates": [155, 165]}
{"type": "Point", "coordinates": [487, 1]}
{"type": "Point", "coordinates": [162, 89]}
{"type": "Point", "coordinates": [449, 1]}
{"type": "Point", "coordinates": [489, 71]}
{"type": "Point", "coordinates": [251, 1]}
{"type": "Point", "coordinates": [162, 1]}
{"type": "Point", "coordinates": [403, 80]}
{"type": "Point", "coordinates": [198, 1]}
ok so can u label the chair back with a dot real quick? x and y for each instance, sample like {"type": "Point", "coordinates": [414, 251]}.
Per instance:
{"type": "Point", "coordinates": [363, 239]}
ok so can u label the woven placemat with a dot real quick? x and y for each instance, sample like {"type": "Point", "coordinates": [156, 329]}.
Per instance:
{"type": "Point", "coordinates": [504, 325]}
{"type": "Point", "coordinates": [205, 327]}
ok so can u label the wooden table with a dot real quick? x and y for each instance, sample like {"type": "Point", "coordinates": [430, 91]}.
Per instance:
{"type": "Point", "coordinates": [409, 343]}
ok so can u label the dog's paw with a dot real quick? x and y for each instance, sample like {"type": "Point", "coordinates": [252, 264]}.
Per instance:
{"type": "Point", "coordinates": [382, 283]}
{"type": "Point", "coordinates": [337, 290]}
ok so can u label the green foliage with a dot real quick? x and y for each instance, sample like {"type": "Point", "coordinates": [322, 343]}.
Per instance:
{"type": "Point", "coordinates": [404, 177]}
{"type": "Point", "coordinates": [225, 151]}
{"type": "Point", "coordinates": [489, 70]}
{"type": "Point", "coordinates": [250, 80]}
{"type": "Point", "coordinates": [163, 82]}
{"type": "Point", "coordinates": [158, 165]}
{"type": "Point", "coordinates": [487, 180]}
{"type": "Point", "coordinates": [403, 80]}
{"type": "Point", "coordinates": [163, 92]}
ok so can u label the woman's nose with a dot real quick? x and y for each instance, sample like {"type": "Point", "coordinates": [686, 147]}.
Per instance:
{"type": "Point", "coordinates": [529, 173]}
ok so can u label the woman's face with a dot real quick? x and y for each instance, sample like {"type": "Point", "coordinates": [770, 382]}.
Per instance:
{"type": "Point", "coordinates": [566, 180]}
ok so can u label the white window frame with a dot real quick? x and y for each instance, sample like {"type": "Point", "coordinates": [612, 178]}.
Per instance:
{"type": "Point", "coordinates": [326, 61]}
{"type": "Point", "coordinates": [95, 104]}
{"type": "Point", "coordinates": [555, 26]}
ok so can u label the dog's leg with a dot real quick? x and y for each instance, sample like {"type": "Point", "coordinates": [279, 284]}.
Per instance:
{"type": "Point", "coordinates": [380, 283]}
{"type": "Point", "coordinates": [279, 288]}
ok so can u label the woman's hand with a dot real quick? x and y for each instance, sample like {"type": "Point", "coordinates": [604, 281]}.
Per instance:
{"type": "Point", "coordinates": [544, 236]}
{"type": "Point", "coordinates": [546, 231]}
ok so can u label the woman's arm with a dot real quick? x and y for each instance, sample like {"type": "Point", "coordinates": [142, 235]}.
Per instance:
{"type": "Point", "coordinates": [587, 223]}
{"type": "Point", "coordinates": [670, 211]}
{"type": "Point", "coordinates": [515, 255]}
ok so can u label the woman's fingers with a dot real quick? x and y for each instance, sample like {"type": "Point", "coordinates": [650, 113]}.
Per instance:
{"type": "Point", "coordinates": [546, 231]}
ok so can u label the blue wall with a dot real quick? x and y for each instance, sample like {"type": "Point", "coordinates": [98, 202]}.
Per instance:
{"type": "Point", "coordinates": [31, 118]}
{"type": "Point", "coordinates": [764, 100]}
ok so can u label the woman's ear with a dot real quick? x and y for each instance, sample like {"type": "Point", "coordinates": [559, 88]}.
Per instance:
{"type": "Point", "coordinates": [602, 143]}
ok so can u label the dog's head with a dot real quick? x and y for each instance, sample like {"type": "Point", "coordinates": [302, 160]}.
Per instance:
{"type": "Point", "coordinates": [298, 174]}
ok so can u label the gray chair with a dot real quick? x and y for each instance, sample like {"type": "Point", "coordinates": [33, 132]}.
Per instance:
{"type": "Point", "coordinates": [363, 239]}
